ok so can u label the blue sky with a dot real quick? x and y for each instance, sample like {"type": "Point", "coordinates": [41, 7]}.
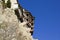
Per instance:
{"type": "Point", "coordinates": [47, 18]}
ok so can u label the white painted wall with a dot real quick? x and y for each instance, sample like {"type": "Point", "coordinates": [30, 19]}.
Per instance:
{"type": "Point", "coordinates": [6, 1]}
{"type": "Point", "coordinates": [14, 4]}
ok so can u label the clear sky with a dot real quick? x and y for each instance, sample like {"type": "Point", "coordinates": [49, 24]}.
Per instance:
{"type": "Point", "coordinates": [47, 18]}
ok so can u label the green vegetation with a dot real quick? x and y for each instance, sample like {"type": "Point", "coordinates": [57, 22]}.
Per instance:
{"type": "Point", "coordinates": [3, 2]}
{"type": "Point", "coordinates": [8, 4]}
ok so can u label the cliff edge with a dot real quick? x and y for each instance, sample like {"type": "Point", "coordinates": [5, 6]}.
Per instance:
{"type": "Point", "coordinates": [16, 23]}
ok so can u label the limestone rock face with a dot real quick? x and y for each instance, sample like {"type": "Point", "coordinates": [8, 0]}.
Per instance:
{"type": "Point", "coordinates": [11, 26]}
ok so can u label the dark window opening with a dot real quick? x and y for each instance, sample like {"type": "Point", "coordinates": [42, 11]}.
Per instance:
{"type": "Point", "coordinates": [31, 27]}
{"type": "Point", "coordinates": [27, 19]}
{"type": "Point", "coordinates": [21, 19]}
{"type": "Point", "coordinates": [28, 25]}
{"type": "Point", "coordinates": [27, 14]}
{"type": "Point", "coordinates": [31, 32]}
{"type": "Point", "coordinates": [31, 23]}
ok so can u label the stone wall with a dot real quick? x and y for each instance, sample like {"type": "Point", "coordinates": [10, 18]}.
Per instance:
{"type": "Point", "coordinates": [10, 26]}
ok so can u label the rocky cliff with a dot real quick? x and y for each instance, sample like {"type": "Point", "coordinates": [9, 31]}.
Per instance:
{"type": "Point", "coordinates": [16, 23]}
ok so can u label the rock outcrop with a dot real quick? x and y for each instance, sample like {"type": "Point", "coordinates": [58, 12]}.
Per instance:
{"type": "Point", "coordinates": [16, 23]}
